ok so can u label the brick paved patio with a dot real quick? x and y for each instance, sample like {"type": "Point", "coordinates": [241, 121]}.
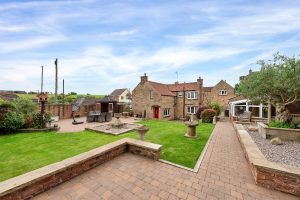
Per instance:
{"type": "Point", "coordinates": [224, 174]}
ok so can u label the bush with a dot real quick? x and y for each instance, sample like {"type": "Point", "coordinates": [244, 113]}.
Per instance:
{"type": "Point", "coordinates": [11, 122]}
{"type": "Point", "coordinates": [25, 106]}
{"type": "Point", "coordinates": [6, 107]}
{"type": "Point", "coordinates": [200, 110]}
{"type": "Point", "coordinates": [217, 107]}
{"type": "Point", "coordinates": [207, 115]}
{"type": "Point", "coordinates": [36, 119]}
{"type": "Point", "coordinates": [278, 124]}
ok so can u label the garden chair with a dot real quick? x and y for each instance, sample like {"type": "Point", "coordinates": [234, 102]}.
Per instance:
{"type": "Point", "coordinates": [245, 116]}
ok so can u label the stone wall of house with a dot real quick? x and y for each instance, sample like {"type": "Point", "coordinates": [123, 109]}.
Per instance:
{"type": "Point", "coordinates": [141, 101]}
{"type": "Point", "coordinates": [167, 102]}
{"type": "Point", "coordinates": [222, 99]}
{"type": "Point", "coordinates": [188, 102]}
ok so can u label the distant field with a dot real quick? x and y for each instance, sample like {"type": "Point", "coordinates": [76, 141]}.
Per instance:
{"type": "Point", "coordinates": [68, 98]}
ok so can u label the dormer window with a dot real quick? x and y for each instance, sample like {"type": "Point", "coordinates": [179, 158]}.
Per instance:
{"type": "Point", "coordinates": [180, 94]}
{"type": "Point", "coordinates": [192, 95]}
{"type": "Point", "coordinates": [222, 92]}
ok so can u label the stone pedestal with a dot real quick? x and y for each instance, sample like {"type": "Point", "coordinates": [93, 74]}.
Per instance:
{"type": "Point", "coordinates": [191, 129]}
{"type": "Point", "coordinates": [142, 131]}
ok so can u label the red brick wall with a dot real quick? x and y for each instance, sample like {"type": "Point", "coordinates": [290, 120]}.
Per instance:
{"type": "Point", "coordinates": [65, 111]}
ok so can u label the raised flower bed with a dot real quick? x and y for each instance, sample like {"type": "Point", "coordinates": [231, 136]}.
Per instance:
{"type": "Point", "coordinates": [283, 133]}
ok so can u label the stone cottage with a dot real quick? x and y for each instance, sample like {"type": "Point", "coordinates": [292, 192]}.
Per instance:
{"type": "Point", "coordinates": [220, 93]}
{"type": "Point", "coordinates": [166, 101]}
{"type": "Point", "coordinates": [175, 101]}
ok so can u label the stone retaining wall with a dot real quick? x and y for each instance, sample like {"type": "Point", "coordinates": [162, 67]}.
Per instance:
{"type": "Point", "coordinates": [268, 174]}
{"type": "Point", "coordinates": [32, 183]}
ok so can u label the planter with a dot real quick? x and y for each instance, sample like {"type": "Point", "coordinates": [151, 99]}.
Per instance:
{"type": "Point", "coordinates": [283, 133]}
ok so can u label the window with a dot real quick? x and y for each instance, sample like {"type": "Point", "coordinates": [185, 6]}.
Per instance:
{"type": "Point", "coordinates": [122, 97]}
{"type": "Point", "coordinates": [192, 109]}
{"type": "Point", "coordinates": [180, 94]}
{"type": "Point", "coordinates": [223, 92]}
{"type": "Point", "coordinates": [151, 94]}
{"type": "Point", "coordinates": [192, 95]}
{"type": "Point", "coordinates": [166, 112]}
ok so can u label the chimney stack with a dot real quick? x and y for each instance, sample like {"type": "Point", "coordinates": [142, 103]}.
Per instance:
{"type": "Point", "coordinates": [200, 81]}
{"type": "Point", "coordinates": [144, 78]}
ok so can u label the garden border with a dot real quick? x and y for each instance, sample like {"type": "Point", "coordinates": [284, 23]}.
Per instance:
{"type": "Point", "coordinates": [37, 181]}
{"type": "Point", "coordinates": [268, 174]}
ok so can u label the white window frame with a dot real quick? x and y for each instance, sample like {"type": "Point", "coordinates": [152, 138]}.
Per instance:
{"type": "Point", "coordinates": [192, 109]}
{"type": "Point", "coordinates": [222, 92]}
{"type": "Point", "coordinates": [166, 112]}
{"type": "Point", "coordinates": [192, 95]}
{"type": "Point", "coordinates": [180, 94]}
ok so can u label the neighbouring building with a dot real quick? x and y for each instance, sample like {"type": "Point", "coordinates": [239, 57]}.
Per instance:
{"type": "Point", "coordinates": [121, 95]}
{"type": "Point", "coordinates": [123, 99]}
{"type": "Point", "coordinates": [175, 101]}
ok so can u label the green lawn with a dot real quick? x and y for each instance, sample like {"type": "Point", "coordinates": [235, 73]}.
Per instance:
{"type": "Point", "coordinates": [20, 153]}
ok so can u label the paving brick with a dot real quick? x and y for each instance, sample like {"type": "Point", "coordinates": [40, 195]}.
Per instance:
{"type": "Point", "coordinates": [223, 174]}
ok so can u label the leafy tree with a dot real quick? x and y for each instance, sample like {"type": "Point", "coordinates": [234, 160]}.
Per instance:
{"type": "Point", "coordinates": [277, 82]}
{"type": "Point", "coordinates": [217, 107]}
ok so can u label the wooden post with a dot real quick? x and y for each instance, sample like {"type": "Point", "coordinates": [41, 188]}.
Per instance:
{"type": "Point", "coordinates": [183, 109]}
{"type": "Point", "coordinates": [55, 62]}
{"type": "Point", "coordinates": [42, 79]}
{"type": "Point", "coordinates": [63, 99]}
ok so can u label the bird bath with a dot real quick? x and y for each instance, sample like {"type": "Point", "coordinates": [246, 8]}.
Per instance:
{"type": "Point", "coordinates": [142, 130]}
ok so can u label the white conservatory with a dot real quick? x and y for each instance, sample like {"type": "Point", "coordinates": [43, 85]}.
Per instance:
{"type": "Point", "coordinates": [237, 107]}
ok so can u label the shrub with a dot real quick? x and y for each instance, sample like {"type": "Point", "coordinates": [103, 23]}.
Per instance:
{"type": "Point", "coordinates": [278, 124]}
{"type": "Point", "coordinates": [6, 107]}
{"type": "Point", "coordinates": [200, 110]}
{"type": "Point", "coordinates": [36, 119]}
{"type": "Point", "coordinates": [11, 122]}
{"type": "Point", "coordinates": [207, 115]}
{"type": "Point", "coordinates": [217, 107]}
{"type": "Point", "coordinates": [25, 106]}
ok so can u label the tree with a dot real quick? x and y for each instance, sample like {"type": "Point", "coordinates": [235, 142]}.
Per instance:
{"type": "Point", "coordinates": [277, 82]}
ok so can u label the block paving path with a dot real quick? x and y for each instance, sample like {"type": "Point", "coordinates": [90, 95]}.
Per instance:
{"type": "Point", "coordinates": [223, 174]}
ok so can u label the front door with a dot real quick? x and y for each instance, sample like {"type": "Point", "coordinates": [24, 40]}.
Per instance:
{"type": "Point", "coordinates": [155, 112]}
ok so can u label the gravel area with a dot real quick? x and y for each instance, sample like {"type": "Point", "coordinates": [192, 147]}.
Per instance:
{"type": "Point", "coordinates": [287, 153]}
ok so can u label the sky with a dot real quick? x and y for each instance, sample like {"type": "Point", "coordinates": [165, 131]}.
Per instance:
{"type": "Point", "coordinates": [104, 45]}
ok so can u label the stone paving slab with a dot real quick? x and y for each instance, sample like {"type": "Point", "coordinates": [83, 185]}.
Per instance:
{"type": "Point", "coordinates": [67, 126]}
{"type": "Point", "coordinates": [223, 174]}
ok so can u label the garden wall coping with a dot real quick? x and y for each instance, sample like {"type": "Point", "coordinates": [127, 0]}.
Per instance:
{"type": "Point", "coordinates": [29, 179]}
{"type": "Point", "coordinates": [266, 173]}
